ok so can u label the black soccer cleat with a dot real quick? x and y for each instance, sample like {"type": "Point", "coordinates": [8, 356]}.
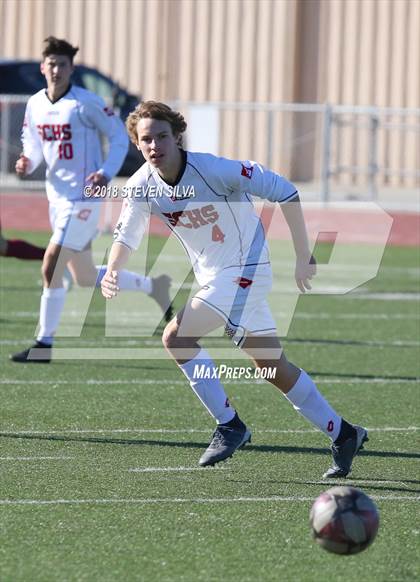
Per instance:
{"type": "Point", "coordinates": [39, 353]}
{"type": "Point", "coordinates": [160, 293]}
{"type": "Point", "coordinates": [344, 453]}
{"type": "Point", "coordinates": [225, 442]}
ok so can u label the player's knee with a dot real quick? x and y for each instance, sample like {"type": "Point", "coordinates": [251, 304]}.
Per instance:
{"type": "Point", "coordinates": [85, 275]}
{"type": "Point", "coordinates": [84, 280]}
{"type": "Point", "coordinates": [47, 270]}
{"type": "Point", "coordinates": [170, 336]}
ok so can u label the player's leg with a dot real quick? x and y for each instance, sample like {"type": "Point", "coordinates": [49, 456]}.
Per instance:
{"type": "Point", "coordinates": [20, 249]}
{"type": "Point", "coordinates": [86, 274]}
{"type": "Point", "coordinates": [299, 388]}
{"type": "Point", "coordinates": [181, 339]}
{"type": "Point", "coordinates": [74, 226]}
{"type": "Point", "coordinates": [156, 287]}
{"type": "Point", "coordinates": [51, 305]}
{"type": "Point", "coordinates": [82, 268]}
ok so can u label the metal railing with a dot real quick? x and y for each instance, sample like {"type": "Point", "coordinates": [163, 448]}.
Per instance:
{"type": "Point", "coordinates": [328, 145]}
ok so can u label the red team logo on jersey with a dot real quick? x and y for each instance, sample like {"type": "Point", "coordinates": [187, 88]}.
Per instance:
{"type": "Point", "coordinates": [243, 282]}
{"type": "Point", "coordinates": [54, 131]}
{"type": "Point", "coordinates": [247, 172]}
{"type": "Point", "coordinates": [193, 218]}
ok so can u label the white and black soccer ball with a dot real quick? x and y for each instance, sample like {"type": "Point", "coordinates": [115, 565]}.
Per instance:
{"type": "Point", "coordinates": [344, 520]}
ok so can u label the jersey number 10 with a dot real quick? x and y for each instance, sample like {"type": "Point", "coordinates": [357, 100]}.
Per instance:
{"type": "Point", "coordinates": [65, 151]}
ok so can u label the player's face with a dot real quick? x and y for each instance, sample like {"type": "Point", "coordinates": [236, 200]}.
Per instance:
{"type": "Point", "coordinates": [57, 70]}
{"type": "Point", "coordinates": [159, 146]}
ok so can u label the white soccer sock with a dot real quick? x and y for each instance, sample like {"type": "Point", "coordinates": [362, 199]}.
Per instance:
{"type": "Point", "coordinates": [210, 391]}
{"type": "Point", "coordinates": [52, 303]}
{"type": "Point", "coordinates": [128, 281]}
{"type": "Point", "coordinates": [310, 403]}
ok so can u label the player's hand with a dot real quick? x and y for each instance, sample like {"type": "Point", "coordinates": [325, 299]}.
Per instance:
{"type": "Point", "coordinates": [22, 165]}
{"type": "Point", "coordinates": [109, 284]}
{"type": "Point", "coordinates": [95, 182]}
{"type": "Point", "coordinates": [305, 271]}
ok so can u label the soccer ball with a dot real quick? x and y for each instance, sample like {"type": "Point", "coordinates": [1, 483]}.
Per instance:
{"type": "Point", "coordinates": [344, 520]}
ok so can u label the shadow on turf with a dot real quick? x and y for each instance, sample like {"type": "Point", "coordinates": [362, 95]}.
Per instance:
{"type": "Point", "coordinates": [343, 481]}
{"type": "Point", "coordinates": [346, 342]}
{"type": "Point", "coordinates": [365, 485]}
{"type": "Point", "coordinates": [189, 444]}
{"type": "Point", "coordinates": [259, 448]}
{"type": "Point", "coordinates": [361, 376]}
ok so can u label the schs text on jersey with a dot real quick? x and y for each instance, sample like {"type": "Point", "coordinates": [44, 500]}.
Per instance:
{"type": "Point", "coordinates": [54, 131]}
{"type": "Point", "coordinates": [194, 217]}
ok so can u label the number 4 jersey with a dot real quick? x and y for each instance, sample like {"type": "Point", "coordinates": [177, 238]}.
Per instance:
{"type": "Point", "coordinates": [66, 134]}
{"type": "Point", "coordinates": [209, 209]}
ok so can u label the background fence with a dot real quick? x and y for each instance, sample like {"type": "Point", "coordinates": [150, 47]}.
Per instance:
{"type": "Point", "coordinates": [328, 149]}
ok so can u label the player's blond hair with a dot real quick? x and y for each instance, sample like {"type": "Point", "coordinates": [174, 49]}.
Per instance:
{"type": "Point", "coordinates": [155, 110]}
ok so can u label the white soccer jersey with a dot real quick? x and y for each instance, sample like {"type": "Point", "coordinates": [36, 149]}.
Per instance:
{"type": "Point", "coordinates": [209, 210]}
{"type": "Point", "coordinates": [66, 134]}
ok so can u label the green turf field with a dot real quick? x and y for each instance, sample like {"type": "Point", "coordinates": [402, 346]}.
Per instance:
{"type": "Point", "coordinates": [98, 458]}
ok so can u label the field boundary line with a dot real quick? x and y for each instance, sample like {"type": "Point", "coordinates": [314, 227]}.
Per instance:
{"type": "Point", "coordinates": [181, 500]}
{"type": "Point", "coordinates": [169, 469]}
{"type": "Point", "coordinates": [150, 382]}
{"type": "Point", "coordinates": [71, 352]}
{"type": "Point", "coordinates": [36, 458]}
{"type": "Point", "coordinates": [300, 315]}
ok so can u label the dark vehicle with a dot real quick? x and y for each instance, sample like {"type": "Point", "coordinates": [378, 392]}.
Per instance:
{"type": "Point", "coordinates": [25, 78]}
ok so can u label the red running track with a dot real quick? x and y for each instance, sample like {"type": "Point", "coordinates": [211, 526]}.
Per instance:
{"type": "Point", "coordinates": [29, 211]}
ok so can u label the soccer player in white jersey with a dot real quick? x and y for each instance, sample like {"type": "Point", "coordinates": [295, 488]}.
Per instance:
{"type": "Point", "coordinates": [207, 205]}
{"type": "Point", "coordinates": [63, 124]}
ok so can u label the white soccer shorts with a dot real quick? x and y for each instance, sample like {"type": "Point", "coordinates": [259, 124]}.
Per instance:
{"type": "Point", "coordinates": [74, 223]}
{"type": "Point", "coordinates": [239, 296]}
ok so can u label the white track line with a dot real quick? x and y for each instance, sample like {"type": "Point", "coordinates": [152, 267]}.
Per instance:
{"type": "Point", "coordinates": [179, 500]}
{"type": "Point", "coordinates": [170, 383]}
{"type": "Point", "coordinates": [383, 296]}
{"type": "Point", "coordinates": [300, 315]}
{"type": "Point", "coordinates": [188, 430]}
{"type": "Point", "coordinates": [71, 352]}
{"type": "Point", "coordinates": [36, 458]}
{"type": "Point", "coordinates": [169, 469]}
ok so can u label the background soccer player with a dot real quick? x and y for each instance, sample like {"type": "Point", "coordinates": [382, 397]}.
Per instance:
{"type": "Point", "coordinates": [63, 125]}
{"type": "Point", "coordinates": [226, 244]}
{"type": "Point", "coordinates": [20, 249]}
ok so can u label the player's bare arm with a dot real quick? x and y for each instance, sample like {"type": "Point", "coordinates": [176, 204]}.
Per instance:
{"type": "Point", "coordinates": [305, 264]}
{"type": "Point", "coordinates": [118, 257]}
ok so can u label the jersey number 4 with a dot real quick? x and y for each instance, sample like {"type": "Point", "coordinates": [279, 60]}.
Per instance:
{"type": "Point", "coordinates": [217, 235]}
{"type": "Point", "coordinates": [65, 151]}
